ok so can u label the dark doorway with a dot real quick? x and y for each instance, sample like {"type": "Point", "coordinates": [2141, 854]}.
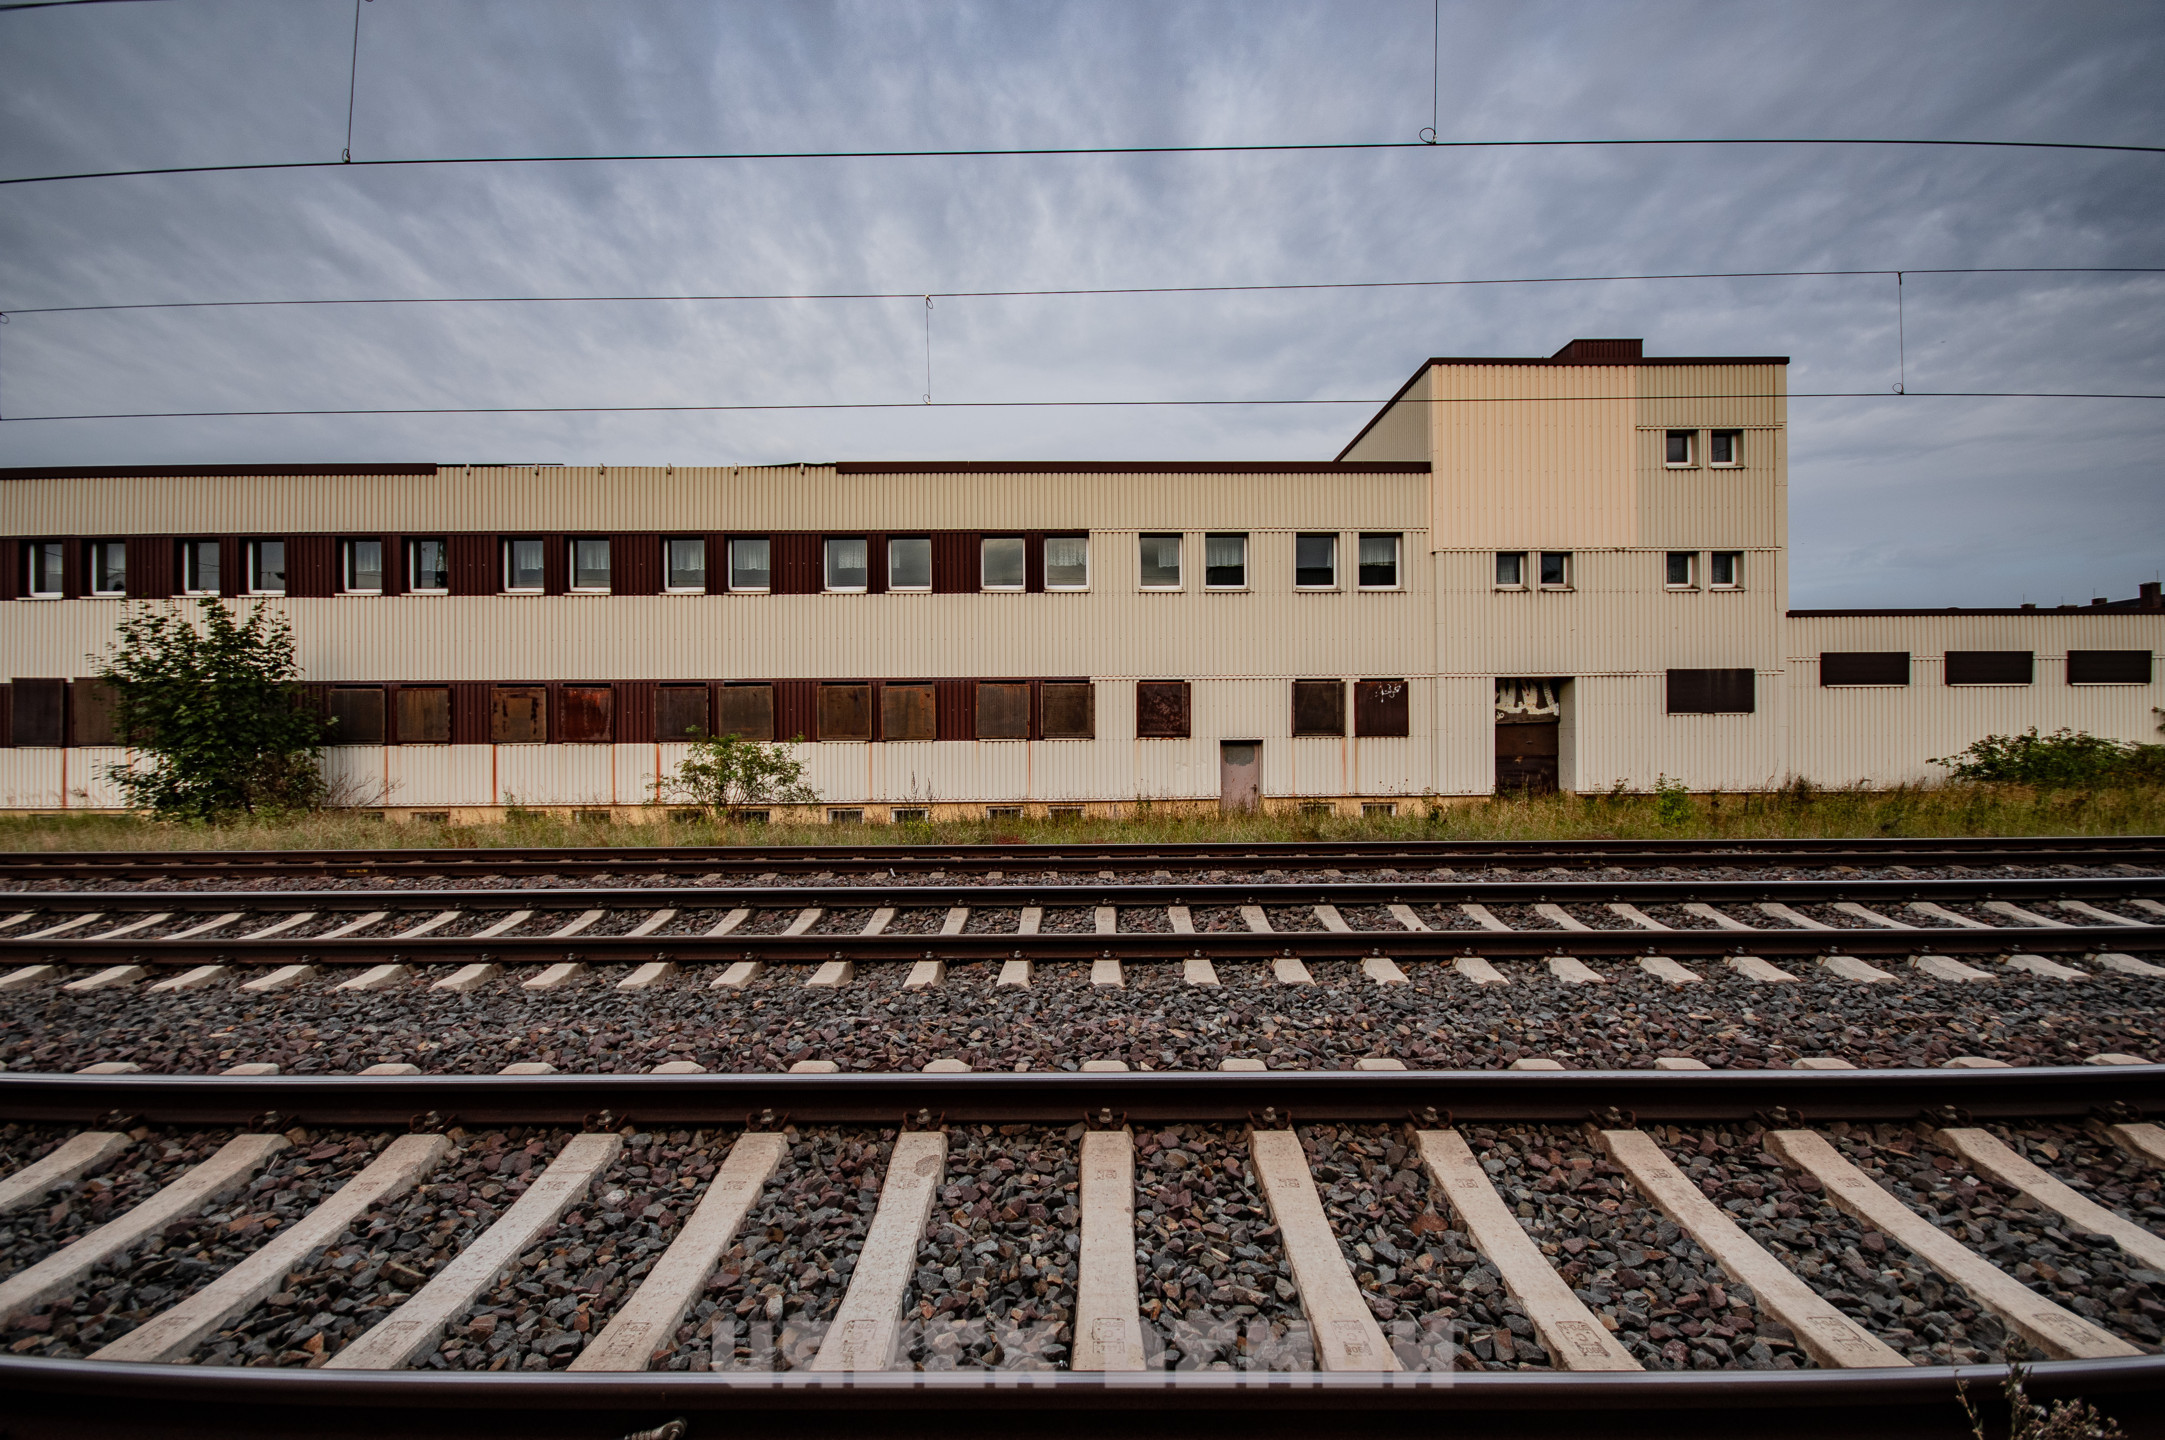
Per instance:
{"type": "Point", "coordinates": [1529, 732]}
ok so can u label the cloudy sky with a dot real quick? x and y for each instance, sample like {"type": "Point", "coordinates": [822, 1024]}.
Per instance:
{"type": "Point", "coordinates": [1896, 500]}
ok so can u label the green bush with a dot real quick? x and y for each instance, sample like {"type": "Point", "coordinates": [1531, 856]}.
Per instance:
{"type": "Point", "coordinates": [724, 775]}
{"type": "Point", "coordinates": [2065, 757]}
{"type": "Point", "coordinates": [1672, 802]}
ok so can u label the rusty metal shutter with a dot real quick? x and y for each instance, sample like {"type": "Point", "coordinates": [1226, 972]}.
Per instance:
{"type": "Point", "coordinates": [909, 712]}
{"type": "Point", "coordinates": [473, 564]}
{"type": "Point", "coordinates": [794, 562]}
{"type": "Point", "coordinates": [680, 711]}
{"type": "Point", "coordinates": [1864, 667]}
{"type": "Point", "coordinates": [1990, 667]}
{"type": "Point", "coordinates": [845, 712]}
{"type": "Point", "coordinates": [356, 714]}
{"type": "Point", "coordinates": [311, 566]}
{"type": "Point", "coordinates": [93, 713]}
{"type": "Point", "coordinates": [518, 714]}
{"type": "Point", "coordinates": [747, 712]}
{"type": "Point", "coordinates": [1382, 707]}
{"type": "Point", "coordinates": [957, 567]}
{"type": "Point", "coordinates": [586, 715]}
{"type": "Point", "coordinates": [635, 564]}
{"type": "Point", "coordinates": [1070, 710]}
{"type": "Point", "coordinates": [1003, 710]}
{"type": "Point", "coordinates": [1711, 692]}
{"type": "Point", "coordinates": [1319, 707]}
{"type": "Point", "coordinates": [1161, 709]}
{"type": "Point", "coordinates": [41, 712]}
{"type": "Point", "coordinates": [424, 715]}
{"type": "Point", "coordinates": [2108, 667]}
{"type": "Point", "coordinates": [150, 566]}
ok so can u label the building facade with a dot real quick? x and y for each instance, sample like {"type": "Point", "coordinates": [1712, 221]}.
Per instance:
{"type": "Point", "coordinates": [1567, 571]}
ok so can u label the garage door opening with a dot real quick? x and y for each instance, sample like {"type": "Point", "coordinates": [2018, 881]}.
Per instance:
{"type": "Point", "coordinates": [1529, 735]}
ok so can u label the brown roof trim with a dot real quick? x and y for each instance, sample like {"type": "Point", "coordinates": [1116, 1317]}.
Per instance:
{"type": "Point", "coordinates": [1954, 612]}
{"type": "Point", "coordinates": [177, 472]}
{"type": "Point", "coordinates": [1129, 467]}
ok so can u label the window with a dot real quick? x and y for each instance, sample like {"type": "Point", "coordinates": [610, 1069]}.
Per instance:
{"type": "Point", "coordinates": [590, 564]}
{"type": "Point", "coordinates": [424, 715]}
{"type": "Point", "coordinates": [1069, 710]}
{"type": "Point", "coordinates": [1511, 569]}
{"type": "Point", "coordinates": [108, 567]}
{"type": "Point", "coordinates": [267, 567]}
{"type": "Point", "coordinates": [1067, 562]}
{"type": "Point", "coordinates": [1379, 807]}
{"type": "Point", "coordinates": [910, 814]}
{"type": "Point", "coordinates": [1161, 709]}
{"type": "Point", "coordinates": [909, 712]}
{"type": "Point", "coordinates": [1725, 570]}
{"type": "Point", "coordinates": [586, 715]}
{"type": "Point", "coordinates": [1683, 569]}
{"type": "Point", "coordinates": [1003, 710]}
{"type": "Point", "coordinates": [845, 712]}
{"type": "Point", "coordinates": [1990, 667]}
{"type": "Point", "coordinates": [909, 563]}
{"type": "Point", "coordinates": [1001, 562]}
{"type": "Point", "coordinates": [1315, 562]}
{"type": "Point", "coordinates": [1379, 562]}
{"type": "Point", "coordinates": [1711, 692]}
{"type": "Point", "coordinates": [1725, 447]}
{"type": "Point", "coordinates": [46, 559]}
{"type": "Point", "coordinates": [746, 711]}
{"type": "Point", "coordinates": [199, 567]}
{"type": "Point", "coordinates": [1678, 449]}
{"type": "Point", "coordinates": [361, 567]}
{"type": "Point", "coordinates": [680, 711]}
{"type": "Point", "coordinates": [1319, 707]}
{"type": "Point", "coordinates": [1225, 562]}
{"type": "Point", "coordinates": [2108, 667]}
{"type": "Point", "coordinates": [1160, 562]}
{"type": "Point", "coordinates": [1864, 667]}
{"type": "Point", "coordinates": [846, 568]}
{"type": "Point", "coordinates": [1382, 707]}
{"type": "Point", "coordinates": [1555, 569]}
{"type": "Point", "coordinates": [839, 815]}
{"type": "Point", "coordinates": [748, 564]}
{"type": "Point", "coordinates": [356, 715]}
{"type": "Point", "coordinates": [524, 566]}
{"type": "Point", "coordinates": [685, 556]}
{"type": "Point", "coordinates": [518, 715]}
{"type": "Point", "coordinates": [428, 567]}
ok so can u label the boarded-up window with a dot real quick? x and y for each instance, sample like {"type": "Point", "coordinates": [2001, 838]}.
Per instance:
{"type": "Point", "coordinates": [845, 712]}
{"type": "Point", "coordinates": [1382, 707]}
{"type": "Point", "coordinates": [907, 712]}
{"type": "Point", "coordinates": [747, 712]}
{"type": "Point", "coordinates": [587, 716]}
{"type": "Point", "coordinates": [1711, 692]}
{"type": "Point", "coordinates": [1003, 710]}
{"type": "Point", "coordinates": [356, 714]}
{"type": "Point", "coordinates": [41, 712]}
{"type": "Point", "coordinates": [518, 715]}
{"type": "Point", "coordinates": [1990, 667]}
{"type": "Point", "coordinates": [1071, 711]}
{"type": "Point", "coordinates": [2108, 667]}
{"type": "Point", "coordinates": [679, 710]}
{"type": "Point", "coordinates": [424, 715]}
{"type": "Point", "coordinates": [1864, 667]}
{"type": "Point", "coordinates": [1319, 707]}
{"type": "Point", "coordinates": [1161, 709]}
{"type": "Point", "coordinates": [91, 713]}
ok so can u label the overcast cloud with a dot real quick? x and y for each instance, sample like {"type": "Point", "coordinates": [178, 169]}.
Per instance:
{"type": "Point", "coordinates": [1895, 501]}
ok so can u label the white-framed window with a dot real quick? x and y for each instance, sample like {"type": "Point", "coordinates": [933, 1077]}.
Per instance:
{"type": "Point", "coordinates": [1067, 562]}
{"type": "Point", "coordinates": [1315, 562]}
{"type": "Point", "coordinates": [1556, 569]}
{"type": "Point", "coordinates": [1000, 562]}
{"type": "Point", "coordinates": [1225, 562]}
{"type": "Point", "coordinates": [428, 566]}
{"type": "Point", "coordinates": [360, 567]}
{"type": "Point", "coordinates": [525, 565]}
{"type": "Point", "coordinates": [590, 565]}
{"type": "Point", "coordinates": [108, 568]}
{"type": "Point", "coordinates": [684, 561]}
{"type": "Point", "coordinates": [751, 563]}
{"type": "Point", "coordinates": [844, 566]}
{"type": "Point", "coordinates": [199, 567]}
{"type": "Point", "coordinates": [1683, 570]}
{"type": "Point", "coordinates": [1510, 569]}
{"type": "Point", "coordinates": [1379, 562]}
{"type": "Point", "coordinates": [1725, 570]}
{"type": "Point", "coordinates": [47, 561]}
{"type": "Point", "coordinates": [1680, 449]}
{"type": "Point", "coordinates": [266, 567]}
{"type": "Point", "coordinates": [1725, 447]}
{"type": "Point", "coordinates": [909, 562]}
{"type": "Point", "coordinates": [1159, 557]}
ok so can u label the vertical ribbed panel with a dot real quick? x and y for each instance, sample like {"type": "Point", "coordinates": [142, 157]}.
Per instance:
{"type": "Point", "coordinates": [473, 564]}
{"type": "Point", "coordinates": [150, 566]}
{"type": "Point", "coordinates": [311, 566]}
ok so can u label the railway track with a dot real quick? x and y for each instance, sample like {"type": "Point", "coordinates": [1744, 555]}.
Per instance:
{"type": "Point", "coordinates": [1277, 1253]}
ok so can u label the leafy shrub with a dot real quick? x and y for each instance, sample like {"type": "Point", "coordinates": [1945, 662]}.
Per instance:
{"type": "Point", "coordinates": [2065, 757]}
{"type": "Point", "coordinates": [725, 774]}
{"type": "Point", "coordinates": [1672, 802]}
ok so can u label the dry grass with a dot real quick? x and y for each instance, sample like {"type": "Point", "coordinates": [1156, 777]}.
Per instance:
{"type": "Point", "coordinates": [1944, 810]}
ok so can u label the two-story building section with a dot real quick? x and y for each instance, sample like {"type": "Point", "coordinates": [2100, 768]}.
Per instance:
{"type": "Point", "coordinates": [1558, 572]}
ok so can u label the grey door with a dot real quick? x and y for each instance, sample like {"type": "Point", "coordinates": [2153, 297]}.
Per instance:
{"type": "Point", "coordinates": [1240, 775]}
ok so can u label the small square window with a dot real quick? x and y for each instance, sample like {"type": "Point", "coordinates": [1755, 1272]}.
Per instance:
{"type": "Point", "coordinates": [1555, 569]}
{"type": "Point", "coordinates": [590, 564]}
{"type": "Point", "coordinates": [524, 566]}
{"type": "Point", "coordinates": [909, 562]}
{"type": "Point", "coordinates": [199, 567]}
{"type": "Point", "coordinates": [1725, 570]}
{"type": "Point", "coordinates": [361, 567]}
{"type": "Point", "coordinates": [108, 567]}
{"type": "Point", "coordinates": [267, 567]}
{"type": "Point", "coordinates": [1511, 569]}
{"type": "Point", "coordinates": [1067, 562]}
{"type": "Point", "coordinates": [847, 568]}
{"type": "Point", "coordinates": [1315, 562]}
{"type": "Point", "coordinates": [1379, 562]}
{"type": "Point", "coordinates": [1725, 447]}
{"type": "Point", "coordinates": [1001, 562]}
{"type": "Point", "coordinates": [1683, 569]}
{"type": "Point", "coordinates": [1679, 446]}
{"type": "Point", "coordinates": [47, 559]}
{"type": "Point", "coordinates": [686, 557]}
{"type": "Point", "coordinates": [1225, 562]}
{"type": "Point", "coordinates": [428, 567]}
{"type": "Point", "coordinates": [1160, 555]}
{"type": "Point", "coordinates": [748, 564]}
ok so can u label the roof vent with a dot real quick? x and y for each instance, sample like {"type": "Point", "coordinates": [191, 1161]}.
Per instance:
{"type": "Point", "coordinates": [1598, 352]}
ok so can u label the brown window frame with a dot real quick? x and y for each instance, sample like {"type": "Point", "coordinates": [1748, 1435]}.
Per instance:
{"type": "Point", "coordinates": [1310, 699]}
{"type": "Point", "coordinates": [1164, 695]}
{"type": "Point", "coordinates": [1712, 691]}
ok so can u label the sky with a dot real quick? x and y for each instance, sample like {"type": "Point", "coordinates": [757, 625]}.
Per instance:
{"type": "Point", "coordinates": [1896, 500]}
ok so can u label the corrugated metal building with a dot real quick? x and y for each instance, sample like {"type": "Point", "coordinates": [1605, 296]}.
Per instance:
{"type": "Point", "coordinates": [1565, 571]}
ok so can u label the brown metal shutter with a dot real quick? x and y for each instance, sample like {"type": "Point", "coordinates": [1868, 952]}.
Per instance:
{"type": "Point", "coordinates": [1990, 667]}
{"type": "Point", "coordinates": [957, 567]}
{"type": "Point", "coordinates": [1864, 667]}
{"type": "Point", "coordinates": [356, 714]}
{"type": "Point", "coordinates": [1382, 707]}
{"type": "Point", "coordinates": [473, 564]}
{"type": "Point", "coordinates": [794, 562]}
{"type": "Point", "coordinates": [41, 712]}
{"type": "Point", "coordinates": [12, 562]}
{"type": "Point", "coordinates": [1033, 562]}
{"type": "Point", "coordinates": [958, 709]}
{"type": "Point", "coordinates": [845, 712]}
{"type": "Point", "coordinates": [1161, 709]}
{"type": "Point", "coordinates": [150, 566]}
{"type": "Point", "coordinates": [909, 712]}
{"type": "Point", "coordinates": [1070, 710]}
{"type": "Point", "coordinates": [586, 715]}
{"type": "Point", "coordinates": [424, 715]}
{"type": "Point", "coordinates": [92, 707]}
{"type": "Point", "coordinates": [679, 711]}
{"type": "Point", "coordinates": [1003, 710]}
{"type": "Point", "coordinates": [746, 711]}
{"type": "Point", "coordinates": [1319, 707]}
{"type": "Point", "coordinates": [635, 564]}
{"type": "Point", "coordinates": [1712, 692]}
{"type": "Point", "coordinates": [2108, 667]}
{"type": "Point", "coordinates": [518, 715]}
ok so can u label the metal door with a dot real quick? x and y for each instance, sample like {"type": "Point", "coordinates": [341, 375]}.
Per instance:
{"type": "Point", "coordinates": [1240, 776]}
{"type": "Point", "coordinates": [1526, 754]}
